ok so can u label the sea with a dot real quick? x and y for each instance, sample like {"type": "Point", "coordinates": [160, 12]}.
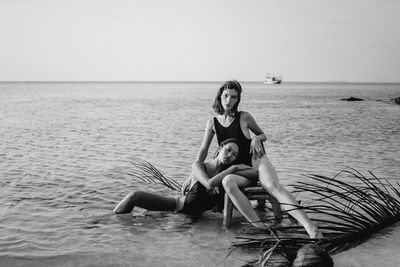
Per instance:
{"type": "Point", "coordinates": [66, 147]}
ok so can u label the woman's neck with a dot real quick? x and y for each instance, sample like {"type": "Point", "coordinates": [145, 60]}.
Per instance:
{"type": "Point", "coordinates": [215, 164]}
{"type": "Point", "coordinates": [226, 116]}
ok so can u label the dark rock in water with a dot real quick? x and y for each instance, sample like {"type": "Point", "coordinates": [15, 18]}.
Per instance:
{"type": "Point", "coordinates": [352, 99]}
{"type": "Point", "coordinates": [311, 255]}
{"type": "Point", "coordinates": [396, 100]}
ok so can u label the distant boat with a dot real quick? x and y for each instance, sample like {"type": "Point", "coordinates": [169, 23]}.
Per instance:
{"type": "Point", "coordinates": [273, 79]}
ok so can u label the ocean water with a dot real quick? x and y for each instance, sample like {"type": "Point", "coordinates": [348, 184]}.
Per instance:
{"type": "Point", "coordinates": [64, 148]}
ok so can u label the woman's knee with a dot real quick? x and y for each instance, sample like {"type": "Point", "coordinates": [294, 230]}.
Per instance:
{"type": "Point", "coordinates": [271, 185]}
{"type": "Point", "coordinates": [229, 182]}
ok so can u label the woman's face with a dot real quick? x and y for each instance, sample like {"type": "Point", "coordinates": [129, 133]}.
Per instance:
{"type": "Point", "coordinates": [228, 153]}
{"type": "Point", "coordinates": [229, 98]}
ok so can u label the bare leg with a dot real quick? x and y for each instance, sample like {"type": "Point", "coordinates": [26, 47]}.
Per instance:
{"type": "Point", "coordinates": [179, 202]}
{"type": "Point", "coordinates": [126, 205]}
{"type": "Point", "coordinates": [232, 184]}
{"type": "Point", "coordinates": [269, 180]}
{"type": "Point", "coordinates": [146, 200]}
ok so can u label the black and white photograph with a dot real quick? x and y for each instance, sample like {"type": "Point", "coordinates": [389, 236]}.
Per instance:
{"type": "Point", "coordinates": [199, 133]}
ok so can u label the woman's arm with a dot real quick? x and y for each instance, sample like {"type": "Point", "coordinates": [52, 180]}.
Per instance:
{"type": "Point", "coordinates": [253, 126]}
{"type": "Point", "coordinates": [200, 173]}
{"type": "Point", "coordinates": [208, 136]}
{"type": "Point", "coordinates": [201, 155]}
{"type": "Point", "coordinates": [240, 169]}
{"type": "Point", "coordinates": [250, 173]}
{"type": "Point", "coordinates": [217, 179]}
{"type": "Point", "coordinates": [256, 146]}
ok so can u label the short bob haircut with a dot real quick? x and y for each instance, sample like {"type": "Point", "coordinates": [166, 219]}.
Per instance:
{"type": "Point", "coordinates": [232, 85]}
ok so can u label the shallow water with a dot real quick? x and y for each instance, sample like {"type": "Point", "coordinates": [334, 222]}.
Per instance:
{"type": "Point", "coordinates": [64, 146]}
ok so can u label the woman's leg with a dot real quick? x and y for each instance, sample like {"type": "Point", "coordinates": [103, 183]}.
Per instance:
{"type": "Point", "coordinates": [232, 184]}
{"type": "Point", "coordinates": [147, 201]}
{"type": "Point", "coordinates": [269, 180]}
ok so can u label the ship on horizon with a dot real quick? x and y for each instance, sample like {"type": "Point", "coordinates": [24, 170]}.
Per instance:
{"type": "Point", "coordinates": [272, 79]}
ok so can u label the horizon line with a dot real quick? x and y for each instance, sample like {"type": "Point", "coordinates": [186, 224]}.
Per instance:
{"type": "Point", "coordinates": [191, 81]}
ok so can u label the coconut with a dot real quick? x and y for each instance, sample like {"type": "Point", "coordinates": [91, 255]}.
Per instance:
{"type": "Point", "coordinates": [311, 255]}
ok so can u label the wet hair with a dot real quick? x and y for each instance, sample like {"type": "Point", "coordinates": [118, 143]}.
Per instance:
{"type": "Point", "coordinates": [232, 85]}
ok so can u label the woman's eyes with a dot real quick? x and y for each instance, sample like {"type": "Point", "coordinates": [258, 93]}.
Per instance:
{"type": "Point", "coordinates": [228, 149]}
{"type": "Point", "coordinates": [234, 154]}
{"type": "Point", "coordinates": [232, 96]}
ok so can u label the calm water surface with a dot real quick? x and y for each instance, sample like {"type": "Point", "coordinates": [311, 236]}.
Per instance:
{"type": "Point", "coordinates": [64, 148]}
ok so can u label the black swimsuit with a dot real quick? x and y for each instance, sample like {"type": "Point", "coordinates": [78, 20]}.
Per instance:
{"type": "Point", "coordinates": [234, 131]}
{"type": "Point", "coordinates": [198, 200]}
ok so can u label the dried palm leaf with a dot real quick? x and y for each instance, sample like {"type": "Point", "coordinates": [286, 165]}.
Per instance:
{"type": "Point", "coordinates": [145, 172]}
{"type": "Point", "coordinates": [348, 208]}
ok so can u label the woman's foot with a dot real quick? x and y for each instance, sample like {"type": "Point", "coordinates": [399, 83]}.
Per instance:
{"type": "Point", "coordinates": [315, 233]}
{"type": "Point", "coordinates": [260, 225]}
{"type": "Point", "coordinates": [125, 206]}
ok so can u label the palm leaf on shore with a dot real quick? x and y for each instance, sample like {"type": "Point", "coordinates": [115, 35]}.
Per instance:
{"type": "Point", "coordinates": [348, 211]}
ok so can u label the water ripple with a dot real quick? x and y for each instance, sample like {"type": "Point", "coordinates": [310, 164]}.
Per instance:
{"type": "Point", "coordinates": [62, 167]}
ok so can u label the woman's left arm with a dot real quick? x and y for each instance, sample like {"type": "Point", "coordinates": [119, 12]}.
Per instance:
{"type": "Point", "coordinates": [256, 146]}
{"type": "Point", "coordinates": [199, 171]}
{"type": "Point", "coordinates": [250, 173]}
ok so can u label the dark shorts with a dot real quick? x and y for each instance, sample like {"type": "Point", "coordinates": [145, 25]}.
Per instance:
{"type": "Point", "coordinates": [198, 200]}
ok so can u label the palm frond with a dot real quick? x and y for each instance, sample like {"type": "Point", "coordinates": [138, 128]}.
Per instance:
{"type": "Point", "coordinates": [348, 208]}
{"type": "Point", "coordinates": [145, 172]}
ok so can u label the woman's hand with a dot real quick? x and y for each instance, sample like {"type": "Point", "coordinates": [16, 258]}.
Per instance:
{"type": "Point", "coordinates": [256, 147]}
{"type": "Point", "coordinates": [213, 191]}
{"type": "Point", "coordinates": [186, 186]}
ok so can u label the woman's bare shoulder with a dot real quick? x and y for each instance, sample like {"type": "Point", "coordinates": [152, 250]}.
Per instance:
{"type": "Point", "coordinates": [245, 115]}
{"type": "Point", "coordinates": [210, 120]}
{"type": "Point", "coordinates": [210, 124]}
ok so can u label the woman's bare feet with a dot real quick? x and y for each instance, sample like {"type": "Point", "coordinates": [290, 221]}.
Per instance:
{"type": "Point", "coordinates": [314, 232]}
{"type": "Point", "coordinates": [259, 225]}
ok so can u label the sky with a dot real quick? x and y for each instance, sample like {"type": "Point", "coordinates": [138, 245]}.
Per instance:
{"type": "Point", "coordinates": [203, 40]}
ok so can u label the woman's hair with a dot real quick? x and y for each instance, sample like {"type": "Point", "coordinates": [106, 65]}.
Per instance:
{"type": "Point", "coordinates": [223, 143]}
{"type": "Point", "coordinates": [233, 85]}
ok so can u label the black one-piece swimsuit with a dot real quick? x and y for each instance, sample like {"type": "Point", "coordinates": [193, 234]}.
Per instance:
{"type": "Point", "coordinates": [234, 131]}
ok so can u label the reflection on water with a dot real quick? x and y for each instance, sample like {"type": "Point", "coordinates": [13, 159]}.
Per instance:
{"type": "Point", "coordinates": [64, 144]}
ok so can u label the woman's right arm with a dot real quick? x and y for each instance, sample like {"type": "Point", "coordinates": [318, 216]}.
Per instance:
{"type": "Point", "coordinates": [205, 145]}
{"type": "Point", "coordinates": [198, 165]}
{"type": "Point", "coordinates": [200, 173]}
{"type": "Point", "coordinates": [198, 168]}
